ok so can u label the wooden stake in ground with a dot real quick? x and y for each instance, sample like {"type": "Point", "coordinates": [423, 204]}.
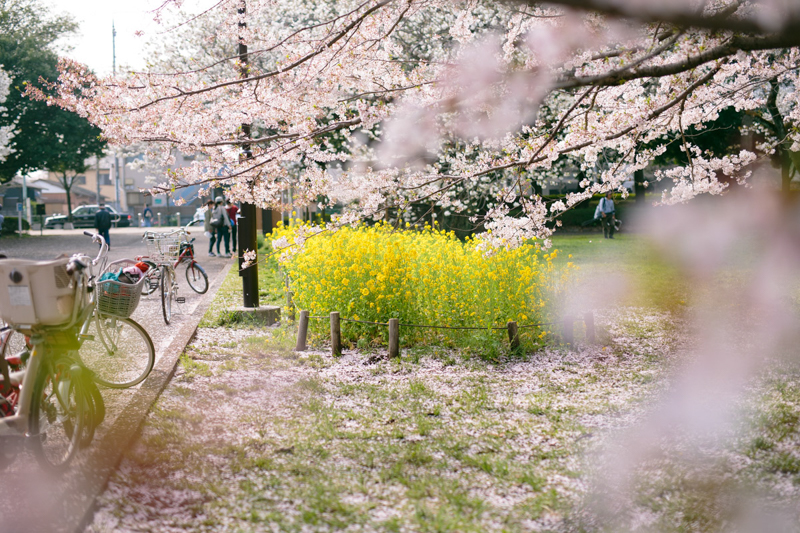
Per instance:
{"type": "Point", "coordinates": [513, 336]}
{"type": "Point", "coordinates": [394, 338]}
{"type": "Point", "coordinates": [302, 332]}
{"type": "Point", "coordinates": [336, 334]}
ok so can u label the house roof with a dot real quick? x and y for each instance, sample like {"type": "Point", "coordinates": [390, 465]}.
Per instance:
{"type": "Point", "coordinates": [54, 187]}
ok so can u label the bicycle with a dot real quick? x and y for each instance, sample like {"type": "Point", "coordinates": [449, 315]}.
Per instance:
{"type": "Point", "coordinates": [195, 274]}
{"type": "Point", "coordinates": [53, 404]}
{"type": "Point", "coordinates": [162, 250]}
{"type": "Point", "coordinates": [113, 346]}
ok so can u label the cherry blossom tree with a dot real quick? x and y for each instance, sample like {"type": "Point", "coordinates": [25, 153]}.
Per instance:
{"type": "Point", "coordinates": [388, 104]}
{"type": "Point", "coordinates": [385, 104]}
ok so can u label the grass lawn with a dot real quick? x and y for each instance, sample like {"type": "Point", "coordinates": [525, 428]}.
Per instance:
{"type": "Point", "coordinates": [251, 436]}
{"type": "Point", "coordinates": [654, 281]}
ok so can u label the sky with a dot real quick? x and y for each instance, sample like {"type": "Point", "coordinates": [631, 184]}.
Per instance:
{"type": "Point", "coordinates": [92, 45]}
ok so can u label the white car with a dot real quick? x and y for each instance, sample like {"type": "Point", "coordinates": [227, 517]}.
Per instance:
{"type": "Point", "coordinates": [199, 215]}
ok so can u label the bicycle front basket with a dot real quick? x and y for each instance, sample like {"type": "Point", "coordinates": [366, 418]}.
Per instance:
{"type": "Point", "coordinates": [162, 248]}
{"type": "Point", "coordinates": [117, 298]}
{"type": "Point", "coordinates": [36, 292]}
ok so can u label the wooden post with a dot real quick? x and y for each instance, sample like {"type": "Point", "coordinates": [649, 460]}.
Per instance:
{"type": "Point", "coordinates": [567, 329]}
{"type": "Point", "coordinates": [588, 320]}
{"type": "Point", "coordinates": [394, 338]}
{"type": "Point", "coordinates": [513, 336]}
{"type": "Point", "coordinates": [302, 332]}
{"type": "Point", "coordinates": [336, 334]}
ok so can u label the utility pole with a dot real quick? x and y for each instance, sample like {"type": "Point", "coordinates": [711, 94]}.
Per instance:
{"type": "Point", "coordinates": [247, 222]}
{"type": "Point", "coordinates": [97, 178]}
{"type": "Point", "coordinates": [25, 214]}
{"type": "Point", "coordinates": [113, 49]}
{"type": "Point", "coordinates": [118, 205]}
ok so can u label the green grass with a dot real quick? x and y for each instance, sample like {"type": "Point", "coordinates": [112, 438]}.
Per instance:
{"type": "Point", "coordinates": [655, 282]}
{"type": "Point", "coordinates": [435, 441]}
{"type": "Point", "coordinates": [442, 440]}
{"type": "Point", "coordinates": [229, 295]}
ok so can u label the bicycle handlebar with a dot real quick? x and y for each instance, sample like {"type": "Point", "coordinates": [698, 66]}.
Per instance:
{"type": "Point", "coordinates": [96, 237]}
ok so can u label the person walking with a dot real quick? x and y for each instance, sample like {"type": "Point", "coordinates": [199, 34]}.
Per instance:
{"type": "Point", "coordinates": [210, 230]}
{"type": "Point", "coordinates": [221, 221]}
{"type": "Point", "coordinates": [147, 216]}
{"type": "Point", "coordinates": [608, 215]}
{"type": "Point", "coordinates": [102, 223]}
{"type": "Point", "coordinates": [232, 212]}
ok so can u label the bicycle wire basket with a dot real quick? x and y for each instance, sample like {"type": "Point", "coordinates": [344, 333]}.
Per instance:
{"type": "Point", "coordinates": [162, 248]}
{"type": "Point", "coordinates": [115, 297]}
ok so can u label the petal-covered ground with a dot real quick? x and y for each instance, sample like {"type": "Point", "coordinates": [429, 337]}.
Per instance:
{"type": "Point", "coordinates": [251, 436]}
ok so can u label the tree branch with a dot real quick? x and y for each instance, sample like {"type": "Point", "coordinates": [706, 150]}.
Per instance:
{"type": "Point", "coordinates": [654, 12]}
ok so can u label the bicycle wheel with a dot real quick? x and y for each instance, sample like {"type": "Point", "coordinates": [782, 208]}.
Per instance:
{"type": "Point", "coordinates": [197, 278]}
{"type": "Point", "coordinates": [121, 354]}
{"type": "Point", "coordinates": [166, 294]}
{"type": "Point", "coordinates": [56, 418]}
{"type": "Point", "coordinates": [152, 280]}
{"type": "Point", "coordinates": [94, 410]}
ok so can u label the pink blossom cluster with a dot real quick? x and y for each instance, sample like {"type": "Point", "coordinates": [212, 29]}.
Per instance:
{"type": "Point", "coordinates": [6, 132]}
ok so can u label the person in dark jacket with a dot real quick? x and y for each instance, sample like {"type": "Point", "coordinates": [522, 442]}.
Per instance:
{"type": "Point", "coordinates": [102, 223]}
{"type": "Point", "coordinates": [232, 210]}
{"type": "Point", "coordinates": [223, 230]}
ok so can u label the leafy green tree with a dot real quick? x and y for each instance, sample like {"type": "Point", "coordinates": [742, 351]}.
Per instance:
{"type": "Point", "coordinates": [46, 137]}
{"type": "Point", "coordinates": [69, 153]}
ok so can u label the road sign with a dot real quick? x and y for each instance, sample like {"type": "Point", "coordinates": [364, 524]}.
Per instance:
{"type": "Point", "coordinates": [19, 207]}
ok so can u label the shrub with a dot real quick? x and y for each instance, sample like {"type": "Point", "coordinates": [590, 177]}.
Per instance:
{"type": "Point", "coordinates": [425, 277]}
{"type": "Point", "coordinates": [11, 225]}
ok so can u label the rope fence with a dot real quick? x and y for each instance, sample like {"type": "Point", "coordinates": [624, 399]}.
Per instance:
{"type": "Point", "coordinates": [394, 325]}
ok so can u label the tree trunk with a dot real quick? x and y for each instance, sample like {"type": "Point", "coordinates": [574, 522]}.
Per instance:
{"type": "Point", "coordinates": [786, 172]}
{"type": "Point", "coordinates": [783, 151]}
{"type": "Point", "coordinates": [66, 182]}
{"type": "Point", "coordinates": [638, 187]}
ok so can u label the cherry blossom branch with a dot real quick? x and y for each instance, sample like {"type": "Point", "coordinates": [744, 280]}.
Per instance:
{"type": "Point", "coordinates": [338, 36]}
{"type": "Point", "coordinates": [263, 50]}
{"type": "Point", "coordinates": [735, 44]}
{"type": "Point", "coordinates": [652, 12]}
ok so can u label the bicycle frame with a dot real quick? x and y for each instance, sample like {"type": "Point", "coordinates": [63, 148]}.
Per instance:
{"type": "Point", "coordinates": [14, 429]}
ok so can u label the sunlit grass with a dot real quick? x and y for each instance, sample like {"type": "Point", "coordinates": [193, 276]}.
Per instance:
{"type": "Point", "coordinates": [657, 282]}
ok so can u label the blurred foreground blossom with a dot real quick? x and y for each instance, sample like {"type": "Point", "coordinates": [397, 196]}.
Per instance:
{"type": "Point", "coordinates": [741, 256]}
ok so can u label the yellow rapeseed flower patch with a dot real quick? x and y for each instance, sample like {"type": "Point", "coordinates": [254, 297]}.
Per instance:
{"type": "Point", "coordinates": [420, 277]}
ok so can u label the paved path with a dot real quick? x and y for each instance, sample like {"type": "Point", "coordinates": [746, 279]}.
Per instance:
{"type": "Point", "coordinates": [31, 501]}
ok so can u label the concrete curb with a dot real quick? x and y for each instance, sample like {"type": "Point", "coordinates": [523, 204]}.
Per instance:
{"type": "Point", "coordinates": [106, 454]}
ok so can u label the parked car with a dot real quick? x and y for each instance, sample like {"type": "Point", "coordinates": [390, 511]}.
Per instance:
{"type": "Point", "coordinates": [83, 217]}
{"type": "Point", "coordinates": [199, 215]}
